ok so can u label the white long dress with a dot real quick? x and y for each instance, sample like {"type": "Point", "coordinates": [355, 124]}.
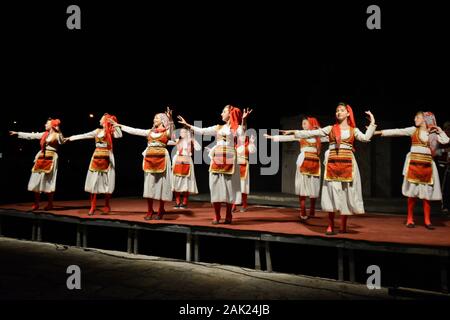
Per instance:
{"type": "Point", "coordinates": [305, 185]}
{"type": "Point", "coordinates": [341, 197]}
{"type": "Point", "coordinates": [245, 182]}
{"type": "Point", "coordinates": [40, 181]}
{"type": "Point", "coordinates": [100, 182]}
{"type": "Point", "coordinates": [185, 183]}
{"type": "Point", "coordinates": [416, 190]}
{"type": "Point", "coordinates": [223, 187]}
{"type": "Point", "coordinates": [157, 186]}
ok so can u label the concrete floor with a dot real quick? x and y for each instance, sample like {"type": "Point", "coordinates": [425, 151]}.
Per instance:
{"type": "Point", "coordinates": [31, 270]}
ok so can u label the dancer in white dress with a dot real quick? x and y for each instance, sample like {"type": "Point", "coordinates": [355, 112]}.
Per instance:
{"type": "Point", "coordinates": [156, 163]}
{"type": "Point", "coordinates": [244, 148]}
{"type": "Point", "coordinates": [183, 179]}
{"type": "Point", "coordinates": [307, 174]}
{"type": "Point", "coordinates": [45, 169]}
{"type": "Point", "coordinates": [101, 175]}
{"type": "Point", "coordinates": [224, 177]}
{"type": "Point", "coordinates": [341, 189]}
{"type": "Point", "coordinates": [421, 177]}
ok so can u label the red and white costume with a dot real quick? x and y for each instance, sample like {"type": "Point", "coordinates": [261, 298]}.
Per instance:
{"type": "Point", "coordinates": [156, 163]}
{"type": "Point", "coordinates": [421, 177]}
{"type": "Point", "coordinates": [341, 190]}
{"type": "Point", "coordinates": [45, 168]}
{"type": "Point", "coordinates": [183, 179]}
{"type": "Point", "coordinates": [224, 173]}
{"type": "Point", "coordinates": [101, 174]}
{"type": "Point", "coordinates": [308, 167]}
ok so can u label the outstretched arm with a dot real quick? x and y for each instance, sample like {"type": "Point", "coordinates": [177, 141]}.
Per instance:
{"type": "Point", "coordinates": [304, 134]}
{"type": "Point", "coordinates": [27, 135]}
{"type": "Point", "coordinates": [405, 132]}
{"type": "Point", "coordinates": [89, 135]}
{"type": "Point", "coordinates": [210, 131]}
{"type": "Point", "coordinates": [280, 138]}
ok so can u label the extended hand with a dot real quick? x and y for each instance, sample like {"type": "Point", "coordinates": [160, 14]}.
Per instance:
{"type": "Point", "coordinates": [246, 113]}
{"type": "Point", "coordinates": [169, 113]}
{"type": "Point", "coordinates": [371, 117]}
{"type": "Point", "coordinates": [182, 121]}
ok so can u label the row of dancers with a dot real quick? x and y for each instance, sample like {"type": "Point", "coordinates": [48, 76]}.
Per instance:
{"type": "Point", "coordinates": [228, 171]}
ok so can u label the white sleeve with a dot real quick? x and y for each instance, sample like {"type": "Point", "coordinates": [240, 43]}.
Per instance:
{"type": "Point", "coordinates": [305, 134]}
{"type": "Point", "coordinates": [365, 137]}
{"type": "Point", "coordinates": [136, 132]}
{"type": "Point", "coordinates": [89, 135]}
{"type": "Point", "coordinates": [30, 135]}
{"type": "Point", "coordinates": [443, 138]}
{"type": "Point", "coordinates": [209, 131]}
{"type": "Point", "coordinates": [118, 132]}
{"type": "Point", "coordinates": [287, 138]}
{"type": "Point", "coordinates": [405, 132]}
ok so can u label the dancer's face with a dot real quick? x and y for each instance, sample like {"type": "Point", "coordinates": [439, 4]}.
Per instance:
{"type": "Point", "coordinates": [226, 114]}
{"type": "Point", "coordinates": [341, 113]}
{"type": "Point", "coordinates": [48, 125]}
{"type": "Point", "coordinates": [305, 124]}
{"type": "Point", "coordinates": [157, 121]}
{"type": "Point", "coordinates": [419, 119]}
{"type": "Point", "coordinates": [102, 121]}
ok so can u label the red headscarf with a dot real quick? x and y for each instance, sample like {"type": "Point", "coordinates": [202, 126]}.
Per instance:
{"type": "Point", "coordinates": [109, 129]}
{"type": "Point", "coordinates": [235, 118]}
{"type": "Point", "coordinates": [337, 129]}
{"type": "Point", "coordinates": [54, 123]}
{"type": "Point", "coordinates": [313, 125]}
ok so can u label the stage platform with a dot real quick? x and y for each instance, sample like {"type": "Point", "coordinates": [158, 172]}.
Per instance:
{"type": "Point", "coordinates": [263, 224]}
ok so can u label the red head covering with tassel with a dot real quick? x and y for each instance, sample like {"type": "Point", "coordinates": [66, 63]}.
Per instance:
{"type": "Point", "coordinates": [109, 129]}
{"type": "Point", "coordinates": [54, 124]}
{"type": "Point", "coordinates": [235, 118]}
{"type": "Point", "coordinates": [337, 129]}
{"type": "Point", "coordinates": [313, 125]}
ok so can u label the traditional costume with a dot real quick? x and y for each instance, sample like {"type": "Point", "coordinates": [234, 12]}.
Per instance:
{"type": "Point", "coordinates": [421, 178]}
{"type": "Point", "coordinates": [45, 168]}
{"type": "Point", "coordinates": [224, 173]}
{"type": "Point", "coordinates": [156, 165]}
{"type": "Point", "coordinates": [341, 189]}
{"type": "Point", "coordinates": [308, 172]}
{"type": "Point", "coordinates": [183, 179]}
{"type": "Point", "coordinates": [101, 174]}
